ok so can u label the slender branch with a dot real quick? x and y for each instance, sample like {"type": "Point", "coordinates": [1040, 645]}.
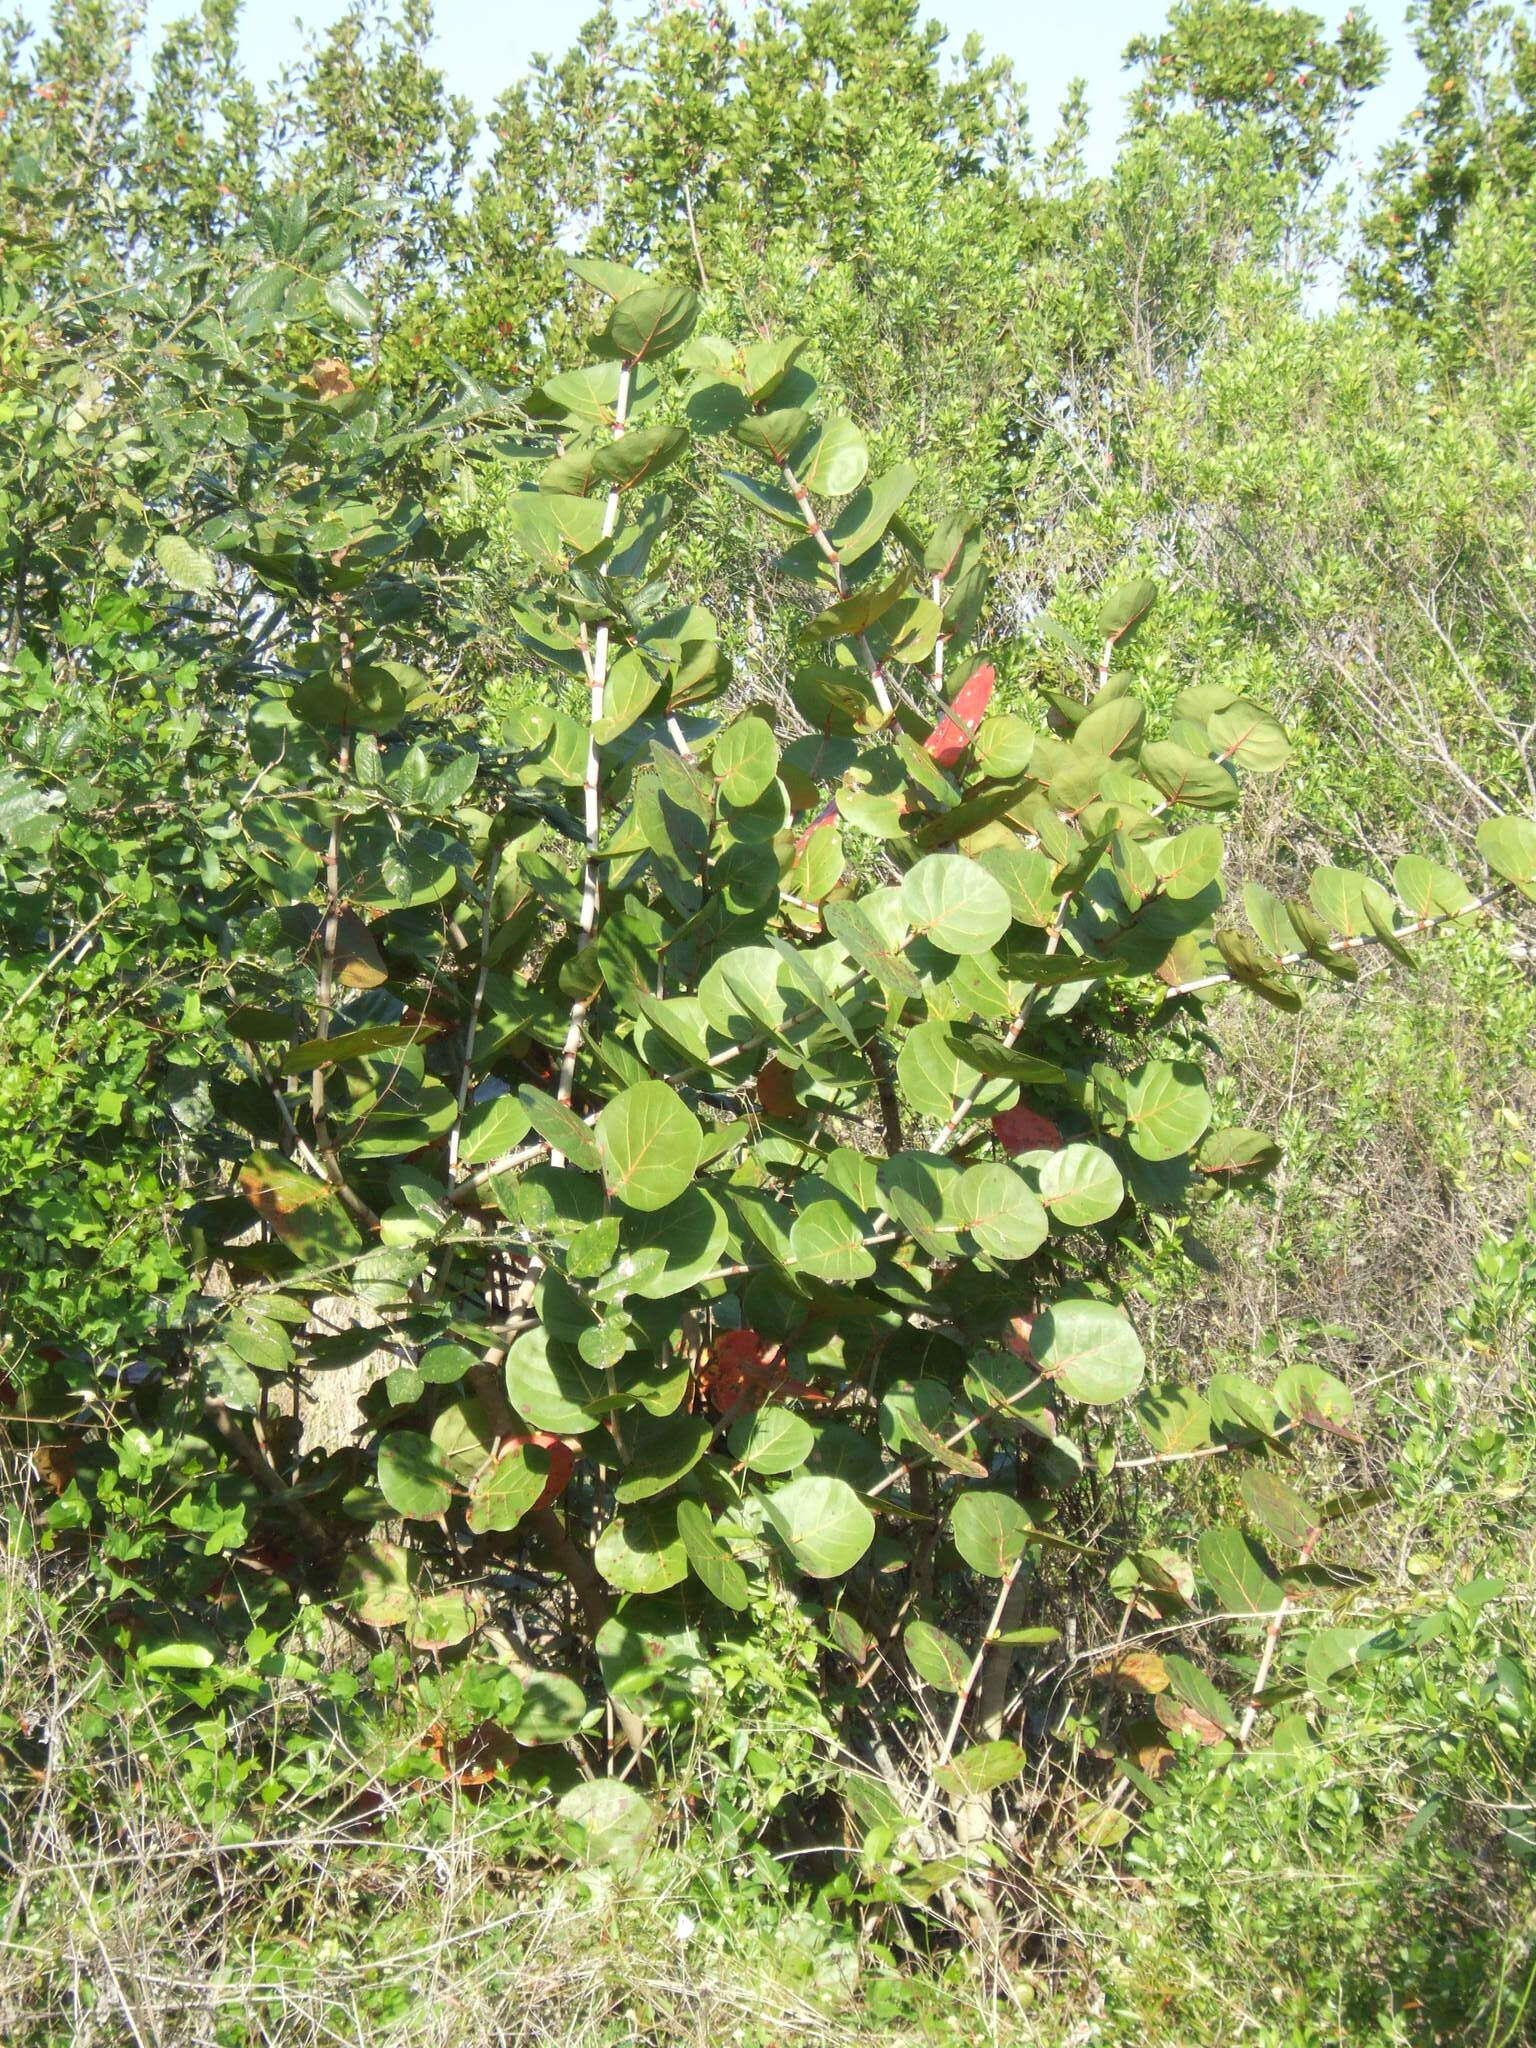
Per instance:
{"type": "Point", "coordinates": [466, 1071]}
{"type": "Point", "coordinates": [597, 677]}
{"type": "Point", "coordinates": [1011, 1590]}
{"type": "Point", "coordinates": [1272, 1643]}
{"type": "Point", "coordinates": [59, 953]}
{"type": "Point", "coordinates": [823, 540]}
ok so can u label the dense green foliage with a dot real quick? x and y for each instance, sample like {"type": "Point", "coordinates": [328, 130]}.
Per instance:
{"type": "Point", "coordinates": [701, 1133]}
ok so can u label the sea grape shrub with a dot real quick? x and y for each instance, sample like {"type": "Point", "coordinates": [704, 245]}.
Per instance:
{"type": "Point", "coordinates": [712, 1105]}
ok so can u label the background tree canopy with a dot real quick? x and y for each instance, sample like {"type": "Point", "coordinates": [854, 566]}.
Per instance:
{"type": "Point", "coordinates": [766, 1013]}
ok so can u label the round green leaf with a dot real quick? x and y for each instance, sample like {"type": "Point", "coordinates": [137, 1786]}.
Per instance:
{"type": "Point", "coordinates": [505, 1491]}
{"type": "Point", "coordinates": [745, 760]}
{"type": "Point", "coordinates": [553, 1388]}
{"type": "Point", "coordinates": [835, 460]}
{"type": "Point", "coordinates": [827, 1243]}
{"type": "Point", "coordinates": [1237, 1572]}
{"type": "Point", "coordinates": [1509, 846]}
{"type": "Point", "coordinates": [553, 1708]}
{"type": "Point", "coordinates": [607, 1821]}
{"type": "Point", "coordinates": [1001, 1211]}
{"type": "Point", "coordinates": [649, 1142]}
{"type": "Point", "coordinates": [1244, 733]}
{"type": "Point", "coordinates": [955, 903]}
{"type": "Point", "coordinates": [377, 1584]}
{"type": "Point", "coordinates": [1079, 1185]}
{"type": "Point", "coordinates": [640, 1551]}
{"type": "Point", "coordinates": [825, 1525]}
{"type": "Point", "coordinates": [1090, 1350]}
{"type": "Point", "coordinates": [989, 1531]}
{"type": "Point", "coordinates": [981, 1768]}
{"type": "Point", "coordinates": [1167, 1108]}
{"type": "Point", "coordinates": [771, 1441]}
{"type": "Point", "coordinates": [413, 1476]}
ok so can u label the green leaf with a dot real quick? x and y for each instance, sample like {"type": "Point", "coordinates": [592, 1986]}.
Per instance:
{"type": "Point", "coordinates": [552, 1387]}
{"type": "Point", "coordinates": [1245, 733]}
{"type": "Point", "coordinates": [1278, 1508]}
{"type": "Point", "coordinates": [835, 460]}
{"type": "Point", "coordinates": [413, 1476]}
{"type": "Point", "coordinates": [187, 567]}
{"type": "Point", "coordinates": [1079, 1185]}
{"type": "Point", "coordinates": [989, 1531]}
{"type": "Point", "coordinates": [348, 1045]}
{"type": "Point", "coordinates": [1189, 1683]}
{"type": "Point", "coordinates": [1509, 847]}
{"type": "Point", "coordinates": [981, 1768]}
{"type": "Point", "coordinates": [955, 903]}
{"type": "Point", "coordinates": [1174, 1419]}
{"type": "Point", "coordinates": [1237, 1572]}
{"type": "Point", "coordinates": [491, 1129]}
{"type": "Point", "coordinates": [1125, 608]}
{"type": "Point", "coordinates": [856, 933]}
{"type": "Point", "coordinates": [823, 1522]}
{"type": "Point", "coordinates": [640, 1551]}
{"type": "Point", "coordinates": [303, 1213]}
{"type": "Point", "coordinates": [1090, 1350]}
{"type": "Point", "coordinates": [1001, 1211]}
{"type": "Point", "coordinates": [648, 1142]}
{"type": "Point", "coordinates": [1166, 1108]}
{"type": "Point", "coordinates": [648, 322]}
{"type": "Point", "coordinates": [505, 1491]}
{"type": "Point", "coordinates": [560, 1127]}
{"type": "Point", "coordinates": [744, 760]}
{"type": "Point", "coordinates": [936, 1657]}
{"type": "Point", "coordinates": [771, 1441]}
{"type": "Point", "coordinates": [607, 1821]}
{"type": "Point", "coordinates": [553, 1708]}
{"type": "Point", "coordinates": [712, 1563]}
{"type": "Point", "coordinates": [826, 1243]}
{"type": "Point", "coordinates": [659, 1451]}
{"type": "Point", "coordinates": [377, 1584]}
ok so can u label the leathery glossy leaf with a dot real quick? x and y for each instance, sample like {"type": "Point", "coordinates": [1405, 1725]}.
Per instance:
{"type": "Point", "coordinates": [560, 1127]}
{"type": "Point", "coordinates": [834, 460]}
{"type": "Point", "coordinates": [377, 1583]}
{"type": "Point", "coordinates": [502, 1494]}
{"type": "Point", "coordinates": [660, 1450]}
{"type": "Point", "coordinates": [936, 1657]}
{"type": "Point", "coordinates": [826, 1242]}
{"type": "Point", "coordinates": [1125, 608]}
{"type": "Point", "coordinates": [955, 903]}
{"type": "Point", "coordinates": [1174, 1419]}
{"type": "Point", "coordinates": [607, 1821]}
{"type": "Point", "coordinates": [1167, 1108]}
{"type": "Point", "coordinates": [823, 1522]}
{"type": "Point", "coordinates": [712, 1563]}
{"type": "Point", "coordinates": [771, 1441]}
{"type": "Point", "coordinates": [649, 322]}
{"type": "Point", "coordinates": [649, 1142]}
{"type": "Point", "coordinates": [1090, 1351]}
{"type": "Point", "coordinates": [1190, 1685]}
{"type": "Point", "coordinates": [980, 1768]}
{"type": "Point", "coordinates": [1078, 1184]}
{"type": "Point", "coordinates": [553, 1390]}
{"type": "Point", "coordinates": [1426, 889]}
{"type": "Point", "coordinates": [989, 1531]}
{"type": "Point", "coordinates": [1000, 1210]}
{"type": "Point", "coordinates": [305, 1214]}
{"type": "Point", "coordinates": [1245, 733]}
{"type": "Point", "coordinates": [413, 1476]}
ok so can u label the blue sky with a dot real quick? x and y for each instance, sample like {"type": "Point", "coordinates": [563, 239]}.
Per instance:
{"type": "Point", "coordinates": [482, 48]}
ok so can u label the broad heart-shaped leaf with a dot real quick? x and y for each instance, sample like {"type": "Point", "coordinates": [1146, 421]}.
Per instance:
{"type": "Point", "coordinates": [824, 1524]}
{"type": "Point", "coordinates": [648, 323]}
{"type": "Point", "coordinates": [955, 903]}
{"type": "Point", "coordinates": [1089, 1349]}
{"type": "Point", "coordinates": [640, 1551]}
{"type": "Point", "coordinates": [827, 1243]}
{"type": "Point", "coordinates": [1000, 1210]}
{"type": "Point", "coordinates": [1509, 846]}
{"type": "Point", "coordinates": [1278, 1508]}
{"type": "Point", "coordinates": [834, 459]}
{"type": "Point", "coordinates": [989, 1531]}
{"type": "Point", "coordinates": [649, 1142]}
{"type": "Point", "coordinates": [414, 1477]}
{"type": "Point", "coordinates": [1245, 733]}
{"type": "Point", "coordinates": [1166, 1108]}
{"type": "Point", "coordinates": [712, 1563]}
{"type": "Point", "coordinates": [773, 1440]}
{"type": "Point", "coordinates": [1237, 1572]}
{"type": "Point", "coordinates": [936, 1657]}
{"type": "Point", "coordinates": [1078, 1184]}
{"type": "Point", "coordinates": [305, 1214]}
{"type": "Point", "coordinates": [981, 1768]}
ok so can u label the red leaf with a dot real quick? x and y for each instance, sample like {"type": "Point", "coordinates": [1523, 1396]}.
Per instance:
{"type": "Point", "coordinates": [957, 728]}
{"type": "Point", "coordinates": [1025, 1130]}
{"type": "Point", "coordinates": [1016, 1337]}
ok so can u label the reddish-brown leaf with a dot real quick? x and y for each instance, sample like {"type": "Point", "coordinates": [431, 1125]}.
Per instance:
{"type": "Point", "coordinates": [1025, 1130]}
{"type": "Point", "coordinates": [957, 728]}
